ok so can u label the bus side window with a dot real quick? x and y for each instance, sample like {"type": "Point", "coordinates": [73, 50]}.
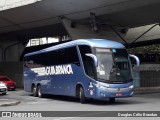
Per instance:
{"type": "Point", "coordinates": [73, 56]}
{"type": "Point", "coordinates": [32, 61]}
{"type": "Point", "coordinates": [89, 66]}
{"type": "Point", "coordinates": [87, 61]}
{"type": "Point", "coordinates": [26, 61]}
{"type": "Point", "coordinates": [68, 56]}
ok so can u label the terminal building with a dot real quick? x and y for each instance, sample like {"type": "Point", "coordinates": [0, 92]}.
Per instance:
{"type": "Point", "coordinates": [31, 25]}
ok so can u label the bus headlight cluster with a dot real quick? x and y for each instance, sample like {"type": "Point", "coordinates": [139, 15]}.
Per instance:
{"type": "Point", "coordinates": [101, 86]}
{"type": "Point", "coordinates": [131, 87]}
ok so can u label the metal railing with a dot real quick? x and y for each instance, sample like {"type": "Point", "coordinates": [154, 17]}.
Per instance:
{"type": "Point", "coordinates": [150, 78]}
{"type": "Point", "coordinates": [149, 75]}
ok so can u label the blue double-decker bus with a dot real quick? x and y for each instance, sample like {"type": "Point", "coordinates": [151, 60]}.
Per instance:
{"type": "Point", "coordinates": [83, 68]}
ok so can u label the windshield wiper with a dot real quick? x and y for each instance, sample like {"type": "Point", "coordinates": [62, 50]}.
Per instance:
{"type": "Point", "coordinates": [100, 79]}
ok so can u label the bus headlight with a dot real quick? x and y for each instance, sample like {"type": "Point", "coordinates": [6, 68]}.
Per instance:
{"type": "Point", "coordinates": [102, 87]}
{"type": "Point", "coordinates": [131, 87]}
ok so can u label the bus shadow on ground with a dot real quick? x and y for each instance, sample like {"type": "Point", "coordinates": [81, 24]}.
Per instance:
{"type": "Point", "coordinates": [118, 101]}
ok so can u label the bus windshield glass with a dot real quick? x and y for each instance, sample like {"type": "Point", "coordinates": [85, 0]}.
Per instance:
{"type": "Point", "coordinates": [113, 65]}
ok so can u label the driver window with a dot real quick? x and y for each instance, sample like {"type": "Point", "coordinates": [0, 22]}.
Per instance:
{"type": "Point", "coordinates": [87, 61]}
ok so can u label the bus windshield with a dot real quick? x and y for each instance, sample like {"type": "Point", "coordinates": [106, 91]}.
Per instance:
{"type": "Point", "coordinates": [113, 65]}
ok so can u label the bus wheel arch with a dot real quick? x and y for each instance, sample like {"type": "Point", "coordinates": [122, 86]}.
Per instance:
{"type": "Point", "coordinates": [80, 93]}
{"type": "Point", "coordinates": [34, 90]}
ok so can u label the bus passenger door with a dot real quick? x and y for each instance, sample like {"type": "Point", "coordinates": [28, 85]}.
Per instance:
{"type": "Point", "coordinates": [90, 62]}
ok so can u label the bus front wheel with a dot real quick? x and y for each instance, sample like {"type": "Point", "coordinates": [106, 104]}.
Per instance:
{"type": "Point", "coordinates": [39, 90]}
{"type": "Point", "coordinates": [82, 95]}
{"type": "Point", "coordinates": [111, 100]}
{"type": "Point", "coordinates": [34, 91]}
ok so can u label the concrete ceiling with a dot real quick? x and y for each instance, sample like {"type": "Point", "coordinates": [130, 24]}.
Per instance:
{"type": "Point", "coordinates": [126, 13]}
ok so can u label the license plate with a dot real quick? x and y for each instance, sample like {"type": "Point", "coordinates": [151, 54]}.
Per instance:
{"type": "Point", "coordinates": [2, 90]}
{"type": "Point", "coordinates": [118, 94]}
{"type": "Point", "coordinates": [12, 87]}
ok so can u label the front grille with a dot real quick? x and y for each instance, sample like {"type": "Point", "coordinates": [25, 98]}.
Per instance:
{"type": "Point", "coordinates": [118, 89]}
{"type": "Point", "coordinates": [119, 81]}
{"type": "Point", "coordinates": [3, 89]}
{"type": "Point", "coordinates": [10, 85]}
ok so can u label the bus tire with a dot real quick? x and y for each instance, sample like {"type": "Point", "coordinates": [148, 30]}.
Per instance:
{"type": "Point", "coordinates": [82, 95]}
{"type": "Point", "coordinates": [111, 100]}
{"type": "Point", "coordinates": [39, 91]}
{"type": "Point", "coordinates": [34, 91]}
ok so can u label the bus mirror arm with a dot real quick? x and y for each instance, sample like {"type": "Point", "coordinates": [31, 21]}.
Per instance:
{"type": "Point", "coordinates": [136, 59]}
{"type": "Point", "coordinates": [93, 57]}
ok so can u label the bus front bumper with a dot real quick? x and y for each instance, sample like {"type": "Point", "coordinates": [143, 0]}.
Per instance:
{"type": "Point", "coordinates": [114, 93]}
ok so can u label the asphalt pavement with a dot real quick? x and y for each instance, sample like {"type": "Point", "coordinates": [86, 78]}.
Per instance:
{"type": "Point", "coordinates": [141, 90]}
{"type": "Point", "coordinates": [145, 99]}
{"type": "Point", "coordinates": [9, 102]}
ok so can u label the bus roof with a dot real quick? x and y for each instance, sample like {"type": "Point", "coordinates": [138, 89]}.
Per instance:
{"type": "Point", "coordinates": [91, 42]}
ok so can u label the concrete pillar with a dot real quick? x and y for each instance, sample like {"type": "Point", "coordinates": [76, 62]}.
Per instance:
{"type": "Point", "coordinates": [14, 70]}
{"type": "Point", "coordinates": [11, 49]}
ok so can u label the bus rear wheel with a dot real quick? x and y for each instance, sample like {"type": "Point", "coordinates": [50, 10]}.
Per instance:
{"type": "Point", "coordinates": [39, 91]}
{"type": "Point", "coordinates": [111, 100]}
{"type": "Point", "coordinates": [82, 95]}
{"type": "Point", "coordinates": [34, 91]}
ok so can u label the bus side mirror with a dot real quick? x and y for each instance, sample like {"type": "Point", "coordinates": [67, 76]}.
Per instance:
{"type": "Point", "coordinates": [94, 58]}
{"type": "Point", "coordinates": [136, 59]}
